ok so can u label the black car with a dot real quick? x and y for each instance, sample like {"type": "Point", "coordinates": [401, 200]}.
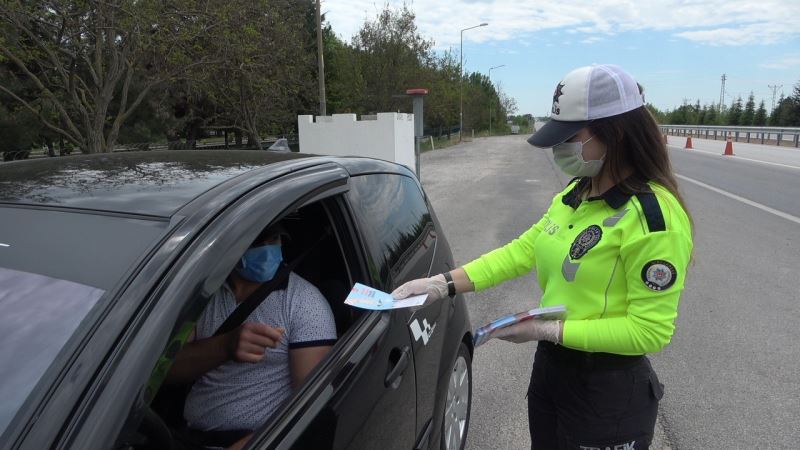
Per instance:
{"type": "Point", "coordinates": [107, 260]}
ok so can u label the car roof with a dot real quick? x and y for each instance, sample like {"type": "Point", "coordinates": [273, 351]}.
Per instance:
{"type": "Point", "coordinates": [154, 183]}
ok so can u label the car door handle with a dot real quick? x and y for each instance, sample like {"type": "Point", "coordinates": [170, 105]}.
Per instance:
{"type": "Point", "coordinates": [400, 360]}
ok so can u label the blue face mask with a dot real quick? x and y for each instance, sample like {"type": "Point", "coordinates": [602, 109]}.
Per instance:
{"type": "Point", "coordinates": [259, 264]}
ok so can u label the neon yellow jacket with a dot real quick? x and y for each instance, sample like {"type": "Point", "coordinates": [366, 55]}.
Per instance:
{"type": "Point", "coordinates": [617, 261]}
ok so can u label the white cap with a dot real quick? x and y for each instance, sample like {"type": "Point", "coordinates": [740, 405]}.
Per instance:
{"type": "Point", "coordinates": [585, 94]}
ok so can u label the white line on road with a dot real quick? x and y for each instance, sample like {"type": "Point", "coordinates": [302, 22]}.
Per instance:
{"type": "Point", "coordinates": [738, 157]}
{"type": "Point", "coordinates": [742, 199]}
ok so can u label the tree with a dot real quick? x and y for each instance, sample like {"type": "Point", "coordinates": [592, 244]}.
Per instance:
{"type": "Point", "coordinates": [749, 111]}
{"type": "Point", "coordinates": [661, 116]}
{"type": "Point", "coordinates": [735, 113]}
{"type": "Point", "coordinates": [269, 68]}
{"type": "Point", "coordinates": [760, 116]}
{"type": "Point", "coordinates": [344, 82]}
{"type": "Point", "coordinates": [392, 56]}
{"type": "Point", "coordinates": [711, 117]}
{"type": "Point", "coordinates": [81, 56]}
{"type": "Point", "coordinates": [783, 115]}
{"type": "Point", "coordinates": [442, 104]}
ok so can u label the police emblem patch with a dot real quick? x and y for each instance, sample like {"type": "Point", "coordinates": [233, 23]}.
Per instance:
{"type": "Point", "coordinates": [556, 108]}
{"type": "Point", "coordinates": [584, 242]}
{"type": "Point", "coordinates": [659, 275]}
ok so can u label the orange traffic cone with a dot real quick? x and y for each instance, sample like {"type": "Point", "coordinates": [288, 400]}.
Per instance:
{"type": "Point", "coordinates": [728, 148]}
{"type": "Point", "coordinates": [688, 142]}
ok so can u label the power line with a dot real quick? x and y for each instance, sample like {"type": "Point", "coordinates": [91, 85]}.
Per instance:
{"type": "Point", "coordinates": [774, 88]}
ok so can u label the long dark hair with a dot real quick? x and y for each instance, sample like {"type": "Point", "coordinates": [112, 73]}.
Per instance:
{"type": "Point", "coordinates": [633, 139]}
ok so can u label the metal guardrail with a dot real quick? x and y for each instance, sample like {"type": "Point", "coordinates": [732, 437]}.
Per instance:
{"type": "Point", "coordinates": [765, 135]}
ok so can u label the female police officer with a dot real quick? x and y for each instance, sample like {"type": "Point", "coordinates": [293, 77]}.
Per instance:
{"type": "Point", "coordinates": [613, 247]}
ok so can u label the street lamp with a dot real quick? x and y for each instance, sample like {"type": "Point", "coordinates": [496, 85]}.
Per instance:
{"type": "Point", "coordinates": [490, 100]}
{"type": "Point", "coordinates": [461, 82]}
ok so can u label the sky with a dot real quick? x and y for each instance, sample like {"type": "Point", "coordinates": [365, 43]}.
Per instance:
{"type": "Point", "coordinates": [677, 49]}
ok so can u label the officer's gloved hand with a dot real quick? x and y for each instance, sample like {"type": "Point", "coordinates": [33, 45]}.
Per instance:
{"type": "Point", "coordinates": [531, 330]}
{"type": "Point", "coordinates": [435, 287]}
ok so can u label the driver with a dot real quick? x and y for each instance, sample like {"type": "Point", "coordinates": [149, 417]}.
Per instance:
{"type": "Point", "coordinates": [241, 377]}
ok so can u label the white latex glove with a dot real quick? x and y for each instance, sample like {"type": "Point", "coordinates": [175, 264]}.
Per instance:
{"type": "Point", "coordinates": [531, 330]}
{"type": "Point", "coordinates": [435, 287]}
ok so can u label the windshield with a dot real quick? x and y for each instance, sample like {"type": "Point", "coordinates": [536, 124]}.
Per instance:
{"type": "Point", "coordinates": [54, 267]}
{"type": "Point", "coordinates": [39, 315]}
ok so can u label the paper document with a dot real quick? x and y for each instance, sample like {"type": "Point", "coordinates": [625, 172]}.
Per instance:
{"type": "Point", "coordinates": [485, 332]}
{"type": "Point", "coordinates": [368, 298]}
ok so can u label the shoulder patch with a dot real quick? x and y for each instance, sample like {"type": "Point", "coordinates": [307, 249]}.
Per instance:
{"type": "Point", "coordinates": [659, 275]}
{"type": "Point", "coordinates": [652, 211]}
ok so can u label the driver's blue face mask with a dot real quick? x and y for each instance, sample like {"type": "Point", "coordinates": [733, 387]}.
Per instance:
{"type": "Point", "coordinates": [259, 264]}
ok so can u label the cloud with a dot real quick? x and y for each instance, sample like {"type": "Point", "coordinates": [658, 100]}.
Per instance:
{"type": "Point", "coordinates": [786, 62]}
{"type": "Point", "coordinates": [709, 22]}
{"type": "Point", "coordinates": [591, 40]}
{"type": "Point", "coordinates": [753, 34]}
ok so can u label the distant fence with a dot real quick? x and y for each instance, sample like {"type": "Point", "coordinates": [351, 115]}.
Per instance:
{"type": "Point", "coordinates": [781, 136]}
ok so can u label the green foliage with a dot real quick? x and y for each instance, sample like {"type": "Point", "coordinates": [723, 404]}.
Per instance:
{"type": "Point", "coordinates": [760, 116]}
{"type": "Point", "coordinates": [79, 60]}
{"type": "Point", "coordinates": [389, 56]}
{"type": "Point", "coordinates": [748, 115]}
{"type": "Point", "coordinates": [787, 110]}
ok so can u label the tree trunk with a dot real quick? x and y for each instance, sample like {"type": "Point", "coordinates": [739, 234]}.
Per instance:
{"type": "Point", "coordinates": [51, 150]}
{"type": "Point", "coordinates": [253, 140]}
{"type": "Point", "coordinates": [94, 142]}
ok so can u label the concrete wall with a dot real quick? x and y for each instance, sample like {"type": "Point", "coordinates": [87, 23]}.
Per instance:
{"type": "Point", "coordinates": [388, 136]}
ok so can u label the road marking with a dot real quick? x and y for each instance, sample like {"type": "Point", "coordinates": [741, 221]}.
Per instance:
{"type": "Point", "coordinates": [742, 199]}
{"type": "Point", "coordinates": [767, 162]}
{"type": "Point", "coordinates": [4, 245]}
{"type": "Point", "coordinates": [738, 157]}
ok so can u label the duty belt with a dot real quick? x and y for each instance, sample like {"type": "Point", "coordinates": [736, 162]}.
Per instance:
{"type": "Point", "coordinates": [576, 358]}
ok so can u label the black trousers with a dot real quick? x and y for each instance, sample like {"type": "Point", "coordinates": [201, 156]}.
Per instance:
{"type": "Point", "coordinates": [591, 401]}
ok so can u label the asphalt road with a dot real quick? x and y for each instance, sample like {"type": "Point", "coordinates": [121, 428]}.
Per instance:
{"type": "Point", "coordinates": [731, 370]}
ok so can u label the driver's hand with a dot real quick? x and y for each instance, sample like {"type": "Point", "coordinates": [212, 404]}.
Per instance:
{"type": "Point", "coordinates": [249, 342]}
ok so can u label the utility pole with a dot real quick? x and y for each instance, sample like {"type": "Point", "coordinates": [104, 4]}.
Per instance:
{"type": "Point", "coordinates": [722, 93]}
{"type": "Point", "coordinates": [774, 88]}
{"type": "Point", "coordinates": [320, 63]}
{"type": "Point", "coordinates": [490, 100]}
{"type": "Point", "coordinates": [461, 82]}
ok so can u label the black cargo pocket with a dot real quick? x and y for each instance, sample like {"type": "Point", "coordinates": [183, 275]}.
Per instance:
{"type": "Point", "coordinates": [656, 387]}
{"type": "Point", "coordinates": [609, 392]}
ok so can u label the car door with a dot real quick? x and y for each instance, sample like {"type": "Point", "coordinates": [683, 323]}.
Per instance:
{"type": "Point", "coordinates": [402, 233]}
{"type": "Point", "coordinates": [363, 395]}
{"type": "Point", "coordinates": [115, 404]}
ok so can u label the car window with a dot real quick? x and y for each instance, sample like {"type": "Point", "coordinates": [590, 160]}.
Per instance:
{"type": "Point", "coordinates": [394, 220]}
{"type": "Point", "coordinates": [40, 313]}
{"type": "Point", "coordinates": [317, 298]}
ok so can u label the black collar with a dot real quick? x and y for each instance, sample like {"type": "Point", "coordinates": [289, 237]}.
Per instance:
{"type": "Point", "coordinates": [614, 197]}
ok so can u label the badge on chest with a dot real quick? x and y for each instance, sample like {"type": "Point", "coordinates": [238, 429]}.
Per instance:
{"type": "Point", "coordinates": [584, 242]}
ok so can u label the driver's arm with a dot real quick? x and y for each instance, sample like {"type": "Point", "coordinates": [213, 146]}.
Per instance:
{"type": "Point", "coordinates": [247, 343]}
{"type": "Point", "coordinates": [303, 360]}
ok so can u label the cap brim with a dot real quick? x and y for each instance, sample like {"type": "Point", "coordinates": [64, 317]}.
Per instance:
{"type": "Point", "coordinates": [555, 132]}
